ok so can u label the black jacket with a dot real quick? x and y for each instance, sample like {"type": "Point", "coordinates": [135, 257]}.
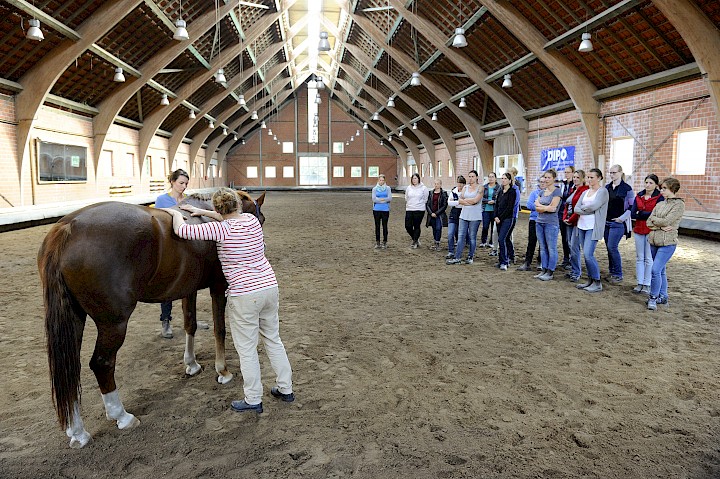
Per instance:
{"type": "Point", "coordinates": [442, 207]}
{"type": "Point", "coordinates": [505, 204]}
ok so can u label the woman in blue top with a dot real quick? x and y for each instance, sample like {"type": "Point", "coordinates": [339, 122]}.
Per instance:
{"type": "Point", "coordinates": [179, 180]}
{"type": "Point", "coordinates": [547, 225]}
{"type": "Point", "coordinates": [490, 193]}
{"type": "Point", "coordinates": [381, 196]}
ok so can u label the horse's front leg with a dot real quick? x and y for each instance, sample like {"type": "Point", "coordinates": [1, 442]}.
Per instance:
{"type": "Point", "coordinates": [110, 338]}
{"type": "Point", "coordinates": [217, 292]}
{"type": "Point", "coordinates": [189, 304]}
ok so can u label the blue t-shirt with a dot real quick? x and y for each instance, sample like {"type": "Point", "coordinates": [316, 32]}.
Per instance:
{"type": "Point", "coordinates": [551, 217]}
{"type": "Point", "coordinates": [490, 191]}
{"type": "Point", "coordinates": [165, 201]}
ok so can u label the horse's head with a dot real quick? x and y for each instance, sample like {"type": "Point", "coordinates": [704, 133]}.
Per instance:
{"type": "Point", "coordinates": [252, 206]}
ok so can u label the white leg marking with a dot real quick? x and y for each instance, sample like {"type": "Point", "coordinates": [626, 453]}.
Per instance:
{"type": "Point", "coordinates": [79, 437]}
{"type": "Point", "coordinates": [224, 379]}
{"type": "Point", "coordinates": [115, 410]}
{"type": "Point", "coordinates": [191, 365]}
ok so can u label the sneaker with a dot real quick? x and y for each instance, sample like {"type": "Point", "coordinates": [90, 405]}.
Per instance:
{"type": "Point", "coordinates": [539, 274]}
{"type": "Point", "coordinates": [449, 255]}
{"type": "Point", "coordinates": [453, 261]}
{"type": "Point", "coordinates": [377, 245]}
{"type": "Point", "coordinates": [493, 253]}
{"type": "Point", "coordinates": [384, 245]}
{"type": "Point", "coordinates": [584, 285]}
{"type": "Point", "coordinates": [645, 290]}
{"type": "Point", "coordinates": [652, 303]}
{"type": "Point", "coordinates": [503, 267]}
{"type": "Point", "coordinates": [290, 397]}
{"type": "Point", "coordinates": [538, 268]}
{"type": "Point", "coordinates": [524, 267]}
{"type": "Point", "coordinates": [637, 289]}
{"type": "Point", "coordinates": [242, 406]}
{"type": "Point", "coordinates": [595, 287]}
{"type": "Point", "coordinates": [547, 276]}
{"type": "Point", "coordinates": [566, 266]}
{"type": "Point", "coordinates": [414, 246]}
{"type": "Point", "coordinates": [418, 242]}
{"type": "Point", "coordinates": [167, 332]}
{"type": "Point", "coordinates": [615, 279]}
{"type": "Point", "coordinates": [483, 245]}
{"type": "Point", "coordinates": [468, 261]}
{"type": "Point", "coordinates": [662, 300]}
{"type": "Point", "coordinates": [202, 325]}
{"type": "Point", "coordinates": [573, 278]}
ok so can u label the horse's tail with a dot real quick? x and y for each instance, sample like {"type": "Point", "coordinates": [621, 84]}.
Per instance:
{"type": "Point", "coordinates": [63, 329]}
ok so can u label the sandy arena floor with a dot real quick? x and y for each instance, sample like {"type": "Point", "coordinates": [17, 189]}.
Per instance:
{"type": "Point", "coordinates": [403, 367]}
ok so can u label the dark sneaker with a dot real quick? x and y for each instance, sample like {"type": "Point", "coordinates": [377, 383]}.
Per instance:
{"type": "Point", "coordinates": [449, 255]}
{"type": "Point", "coordinates": [524, 267]}
{"type": "Point", "coordinates": [662, 300]}
{"type": "Point", "coordinates": [453, 261]}
{"type": "Point", "coordinates": [616, 279]}
{"type": "Point", "coordinates": [290, 397]}
{"type": "Point", "coordinates": [242, 406]}
{"type": "Point", "coordinates": [652, 303]}
{"type": "Point", "coordinates": [468, 261]}
{"type": "Point", "coordinates": [637, 289]}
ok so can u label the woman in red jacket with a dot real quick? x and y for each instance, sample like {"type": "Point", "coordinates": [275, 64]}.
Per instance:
{"type": "Point", "coordinates": [645, 201]}
{"type": "Point", "coordinates": [570, 218]}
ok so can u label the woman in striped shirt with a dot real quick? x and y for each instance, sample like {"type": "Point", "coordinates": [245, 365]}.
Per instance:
{"type": "Point", "coordinates": [252, 292]}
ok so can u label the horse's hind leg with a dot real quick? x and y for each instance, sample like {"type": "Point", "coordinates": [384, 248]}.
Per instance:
{"type": "Point", "coordinates": [192, 367]}
{"type": "Point", "coordinates": [79, 437]}
{"type": "Point", "coordinates": [110, 337]}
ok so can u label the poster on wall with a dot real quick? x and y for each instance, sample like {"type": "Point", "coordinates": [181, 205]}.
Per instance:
{"type": "Point", "coordinates": [557, 158]}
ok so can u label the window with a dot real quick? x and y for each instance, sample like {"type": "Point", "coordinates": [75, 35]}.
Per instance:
{"type": "Point", "coordinates": [439, 169]}
{"type": "Point", "coordinates": [129, 169]}
{"type": "Point", "coordinates": [270, 172]}
{"type": "Point", "coordinates": [404, 173]}
{"type": "Point", "coordinates": [422, 168]}
{"type": "Point", "coordinates": [288, 171]}
{"type": "Point", "coordinates": [691, 152]}
{"type": "Point", "coordinates": [313, 170]}
{"type": "Point", "coordinates": [373, 171]}
{"type": "Point", "coordinates": [252, 171]}
{"type": "Point", "coordinates": [621, 153]}
{"type": "Point", "coordinates": [203, 171]}
{"type": "Point", "coordinates": [213, 171]}
{"type": "Point", "coordinates": [338, 147]}
{"type": "Point", "coordinates": [476, 163]}
{"type": "Point", "coordinates": [451, 169]}
{"type": "Point", "coordinates": [162, 169]}
{"type": "Point", "coordinates": [105, 168]}
{"type": "Point", "coordinates": [338, 171]}
{"type": "Point", "coordinates": [287, 147]}
{"type": "Point", "coordinates": [64, 163]}
{"type": "Point", "coordinates": [430, 170]}
{"type": "Point", "coordinates": [147, 167]}
{"type": "Point", "coordinates": [356, 172]}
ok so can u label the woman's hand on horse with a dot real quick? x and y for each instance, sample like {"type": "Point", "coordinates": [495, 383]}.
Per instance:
{"type": "Point", "coordinates": [193, 210]}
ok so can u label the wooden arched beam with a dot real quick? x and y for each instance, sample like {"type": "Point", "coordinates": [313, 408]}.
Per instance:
{"type": "Point", "coordinates": [38, 81]}
{"type": "Point", "coordinates": [579, 88]}
{"type": "Point", "coordinates": [701, 36]}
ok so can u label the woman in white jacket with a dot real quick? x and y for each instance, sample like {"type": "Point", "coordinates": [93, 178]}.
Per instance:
{"type": "Point", "coordinates": [415, 197]}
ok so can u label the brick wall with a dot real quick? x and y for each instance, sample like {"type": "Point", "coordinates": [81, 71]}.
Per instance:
{"type": "Point", "coordinates": [9, 173]}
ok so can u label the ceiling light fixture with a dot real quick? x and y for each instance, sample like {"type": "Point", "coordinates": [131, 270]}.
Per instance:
{"type": "Point", "coordinates": [211, 125]}
{"type": "Point", "coordinates": [507, 82]}
{"type": "Point", "coordinates": [270, 133]}
{"type": "Point", "coordinates": [462, 104]}
{"type": "Point", "coordinates": [389, 137]}
{"type": "Point", "coordinates": [586, 44]}
{"type": "Point", "coordinates": [220, 76]}
{"type": "Point", "coordinates": [400, 133]}
{"type": "Point", "coordinates": [357, 132]}
{"type": "Point", "coordinates": [324, 45]}
{"type": "Point", "coordinates": [119, 77]}
{"type": "Point", "coordinates": [318, 100]}
{"type": "Point", "coordinates": [382, 143]}
{"type": "Point", "coordinates": [263, 125]}
{"type": "Point", "coordinates": [243, 141]}
{"type": "Point", "coordinates": [254, 115]}
{"type": "Point", "coordinates": [415, 126]}
{"type": "Point", "coordinates": [319, 84]}
{"type": "Point", "coordinates": [459, 40]}
{"type": "Point", "coordinates": [34, 32]}
{"type": "Point", "coordinates": [241, 100]}
{"type": "Point", "coordinates": [434, 117]}
{"type": "Point", "coordinates": [181, 32]}
{"type": "Point", "coordinates": [225, 131]}
{"type": "Point", "coordinates": [415, 80]}
{"type": "Point", "coordinates": [164, 100]}
{"type": "Point", "coordinates": [391, 103]}
{"type": "Point", "coordinates": [275, 137]}
{"type": "Point", "coordinates": [191, 115]}
{"type": "Point", "coordinates": [234, 137]}
{"type": "Point", "coordinates": [365, 126]}
{"type": "Point", "coordinates": [352, 138]}
{"type": "Point", "coordinates": [376, 116]}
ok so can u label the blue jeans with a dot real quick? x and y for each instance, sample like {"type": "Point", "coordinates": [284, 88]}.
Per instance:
{"type": "Point", "coordinates": [488, 225]}
{"type": "Point", "coordinates": [661, 255]}
{"type": "Point", "coordinates": [452, 233]}
{"type": "Point", "coordinates": [437, 228]}
{"type": "Point", "coordinates": [575, 255]}
{"type": "Point", "coordinates": [469, 229]}
{"type": "Point", "coordinates": [613, 234]}
{"type": "Point", "coordinates": [547, 237]}
{"type": "Point", "coordinates": [643, 260]}
{"type": "Point", "coordinates": [166, 310]}
{"type": "Point", "coordinates": [503, 234]}
{"type": "Point", "coordinates": [588, 247]}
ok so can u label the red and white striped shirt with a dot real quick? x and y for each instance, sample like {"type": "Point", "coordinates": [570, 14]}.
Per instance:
{"type": "Point", "coordinates": [241, 251]}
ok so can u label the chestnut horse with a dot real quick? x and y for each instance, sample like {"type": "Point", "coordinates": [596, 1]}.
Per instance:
{"type": "Point", "coordinates": [101, 261]}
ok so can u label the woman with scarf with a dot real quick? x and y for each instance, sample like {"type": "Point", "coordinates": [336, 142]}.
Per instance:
{"type": "Point", "coordinates": [381, 197]}
{"type": "Point", "coordinates": [644, 204]}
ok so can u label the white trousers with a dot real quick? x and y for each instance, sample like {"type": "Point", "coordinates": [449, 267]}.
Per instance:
{"type": "Point", "coordinates": [250, 316]}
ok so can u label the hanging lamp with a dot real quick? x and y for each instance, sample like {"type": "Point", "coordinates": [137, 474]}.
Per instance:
{"type": "Point", "coordinates": [462, 104]}
{"type": "Point", "coordinates": [586, 43]}
{"type": "Point", "coordinates": [507, 81]}
{"type": "Point", "coordinates": [34, 32]}
{"type": "Point", "coordinates": [119, 77]}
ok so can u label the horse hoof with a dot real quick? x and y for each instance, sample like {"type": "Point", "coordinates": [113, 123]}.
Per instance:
{"type": "Point", "coordinates": [81, 440]}
{"type": "Point", "coordinates": [193, 369]}
{"type": "Point", "coordinates": [224, 379]}
{"type": "Point", "coordinates": [128, 421]}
